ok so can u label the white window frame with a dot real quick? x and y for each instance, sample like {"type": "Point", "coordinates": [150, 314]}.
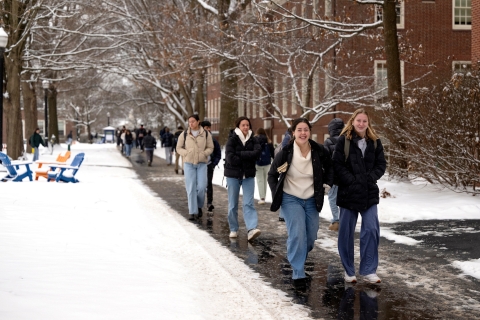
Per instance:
{"type": "Point", "coordinates": [461, 26]}
{"type": "Point", "coordinates": [402, 74]}
{"type": "Point", "coordinates": [461, 70]}
{"type": "Point", "coordinates": [284, 102]}
{"type": "Point", "coordinates": [400, 6]}
{"type": "Point", "coordinates": [41, 126]}
{"type": "Point", "coordinates": [62, 123]}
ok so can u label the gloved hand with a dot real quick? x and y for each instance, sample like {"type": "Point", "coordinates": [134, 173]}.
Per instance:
{"type": "Point", "coordinates": [327, 187]}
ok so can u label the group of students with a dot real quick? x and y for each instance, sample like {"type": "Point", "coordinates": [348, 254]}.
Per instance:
{"type": "Point", "coordinates": [140, 138]}
{"type": "Point", "coordinates": [301, 172]}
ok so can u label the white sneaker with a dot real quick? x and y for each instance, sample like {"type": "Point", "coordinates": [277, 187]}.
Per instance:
{"type": "Point", "coordinates": [349, 279]}
{"type": "Point", "coordinates": [252, 234]}
{"type": "Point", "coordinates": [372, 278]}
{"type": "Point", "coordinates": [261, 201]}
{"type": "Point", "coordinates": [233, 234]}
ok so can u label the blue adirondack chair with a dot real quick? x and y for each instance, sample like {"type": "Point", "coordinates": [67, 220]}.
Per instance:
{"type": "Point", "coordinates": [66, 173]}
{"type": "Point", "coordinates": [17, 170]}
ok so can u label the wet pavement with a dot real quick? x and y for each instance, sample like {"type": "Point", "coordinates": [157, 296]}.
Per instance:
{"type": "Point", "coordinates": [418, 281]}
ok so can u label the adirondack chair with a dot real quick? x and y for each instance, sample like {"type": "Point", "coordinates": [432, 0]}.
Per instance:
{"type": "Point", "coordinates": [17, 170]}
{"type": "Point", "coordinates": [43, 172]}
{"type": "Point", "coordinates": [66, 173]}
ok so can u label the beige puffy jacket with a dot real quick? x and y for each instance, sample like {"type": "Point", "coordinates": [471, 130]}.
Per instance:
{"type": "Point", "coordinates": [195, 150]}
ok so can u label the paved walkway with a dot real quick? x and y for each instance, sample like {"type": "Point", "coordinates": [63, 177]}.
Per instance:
{"type": "Point", "coordinates": [411, 288]}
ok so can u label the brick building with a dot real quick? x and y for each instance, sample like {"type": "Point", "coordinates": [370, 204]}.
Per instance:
{"type": "Point", "coordinates": [434, 36]}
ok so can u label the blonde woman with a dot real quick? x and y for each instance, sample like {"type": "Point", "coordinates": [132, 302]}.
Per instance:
{"type": "Point", "coordinates": [359, 162]}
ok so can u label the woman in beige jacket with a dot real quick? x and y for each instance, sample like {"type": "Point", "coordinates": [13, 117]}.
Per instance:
{"type": "Point", "coordinates": [195, 146]}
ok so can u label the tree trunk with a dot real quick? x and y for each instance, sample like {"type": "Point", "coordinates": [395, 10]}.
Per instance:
{"type": "Point", "coordinates": [12, 103]}
{"type": "Point", "coordinates": [52, 114]}
{"type": "Point", "coordinates": [200, 97]}
{"type": "Point", "coordinates": [394, 79]}
{"type": "Point", "coordinates": [29, 108]}
{"type": "Point", "coordinates": [229, 106]}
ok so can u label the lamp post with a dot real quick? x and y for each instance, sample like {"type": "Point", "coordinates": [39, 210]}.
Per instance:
{"type": "Point", "coordinates": [45, 85]}
{"type": "Point", "coordinates": [108, 119]}
{"type": "Point", "coordinates": [3, 44]}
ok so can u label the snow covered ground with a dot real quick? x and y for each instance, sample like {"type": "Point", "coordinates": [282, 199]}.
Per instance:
{"type": "Point", "coordinates": [107, 248]}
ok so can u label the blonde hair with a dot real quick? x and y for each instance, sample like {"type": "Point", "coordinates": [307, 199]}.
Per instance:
{"type": "Point", "coordinates": [347, 130]}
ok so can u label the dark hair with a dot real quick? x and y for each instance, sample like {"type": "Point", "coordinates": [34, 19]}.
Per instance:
{"type": "Point", "coordinates": [240, 119]}
{"type": "Point", "coordinates": [194, 116]}
{"type": "Point", "coordinates": [263, 132]}
{"type": "Point", "coordinates": [205, 123]}
{"type": "Point", "coordinates": [149, 132]}
{"type": "Point", "coordinates": [298, 121]}
{"type": "Point", "coordinates": [180, 128]}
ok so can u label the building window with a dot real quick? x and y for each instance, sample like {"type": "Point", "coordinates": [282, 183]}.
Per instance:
{"type": "Point", "coordinates": [61, 128]}
{"type": "Point", "coordinates": [381, 80]}
{"type": "Point", "coordinates": [462, 14]}
{"type": "Point", "coordinates": [285, 98]}
{"type": "Point", "coordinates": [399, 8]}
{"type": "Point", "coordinates": [41, 126]}
{"type": "Point", "coordinates": [462, 66]}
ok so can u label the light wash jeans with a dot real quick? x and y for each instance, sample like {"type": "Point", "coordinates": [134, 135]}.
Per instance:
{"type": "Point", "coordinates": [369, 240]}
{"type": "Point", "coordinates": [249, 213]}
{"type": "Point", "coordinates": [302, 221]}
{"type": "Point", "coordinates": [261, 176]}
{"type": "Point", "coordinates": [36, 154]}
{"type": "Point", "coordinates": [332, 199]}
{"type": "Point", "coordinates": [168, 155]}
{"type": "Point", "coordinates": [195, 183]}
{"type": "Point", "coordinates": [128, 150]}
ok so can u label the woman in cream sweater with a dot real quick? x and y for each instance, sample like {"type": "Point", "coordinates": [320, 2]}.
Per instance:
{"type": "Point", "coordinates": [297, 178]}
{"type": "Point", "coordinates": [195, 149]}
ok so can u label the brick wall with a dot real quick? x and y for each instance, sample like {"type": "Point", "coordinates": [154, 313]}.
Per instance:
{"type": "Point", "coordinates": [475, 31]}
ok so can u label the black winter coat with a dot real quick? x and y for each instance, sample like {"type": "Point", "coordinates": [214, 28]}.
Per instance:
{"type": "Point", "coordinates": [262, 139]}
{"type": "Point", "coordinates": [335, 127]}
{"type": "Point", "coordinates": [322, 173]}
{"type": "Point", "coordinates": [357, 185]}
{"type": "Point", "coordinates": [239, 159]}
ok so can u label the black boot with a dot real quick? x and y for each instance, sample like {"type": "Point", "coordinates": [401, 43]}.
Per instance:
{"type": "Point", "coordinates": [300, 284]}
{"type": "Point", "coordinates": [200, 212]}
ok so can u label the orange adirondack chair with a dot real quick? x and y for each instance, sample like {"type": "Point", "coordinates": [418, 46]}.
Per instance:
{"type": "Point", "coordinates": [43, 171]}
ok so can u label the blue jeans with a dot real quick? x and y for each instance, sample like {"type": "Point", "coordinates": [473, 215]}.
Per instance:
{"type": "Point", "coordinates": [128, 150]}
{"type": "Point", "coordinates": [332, 199]}
{"type": "Point", "coordinates": [302, 221]}
{"type": "Point", "coordinates": [250, 215]}
{"type": "Point", "coordinates": [35, 154]}
{"type": "Point", "coordinates": [369, 240]}
{"type": "Point", "coordinates": [195, 183]}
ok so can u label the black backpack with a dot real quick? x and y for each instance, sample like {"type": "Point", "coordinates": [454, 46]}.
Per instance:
{"type": "Point", "coordinates": [265, 156]}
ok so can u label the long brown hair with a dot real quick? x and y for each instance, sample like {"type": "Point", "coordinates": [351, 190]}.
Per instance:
{"type": "Point", "coordinates": [347, 130]}
{"type": "Point", "coordinates": [262, 131]}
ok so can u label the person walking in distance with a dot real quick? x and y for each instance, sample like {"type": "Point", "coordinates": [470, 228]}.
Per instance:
{"type": "Point", "coordinates": [263, 163]}
{"type": "Point", "coordinates": [195, 145]}
{"type": "Point", "coordinates": [359, 162]}
{"type": "Point", "coordinates": [167, 142]}
{"type": "Point", "coordinates": [142, 132]}
{"type": "Point", "coordinates": [150, 144]}
{"type": "Point", "coordinates": [128, 141]}
{"type": "Point", "coordinates": [241, 152]}
{"type": "Point", "coordinates": [335, 126]}
{"type": "Point", "coordinates": [298, 177]}
{"type": "Point", "coordinates": [213, 160]}
{"type": "Point", "coordinates": [174, 147]}
{"type": "Point", "coordinates": [35, 141]}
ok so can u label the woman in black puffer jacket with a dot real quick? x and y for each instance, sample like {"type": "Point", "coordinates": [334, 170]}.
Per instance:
{"type": "Point", "coordinates": [241, 153]}
{"type": "Point", "coordinates": [358, 193]}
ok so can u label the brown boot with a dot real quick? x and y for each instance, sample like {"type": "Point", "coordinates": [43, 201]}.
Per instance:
{"type": "Point", "coordinates": [334, 226]}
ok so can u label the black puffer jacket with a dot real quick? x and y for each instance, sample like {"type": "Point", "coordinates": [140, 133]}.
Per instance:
{"type": "Point", "coordinates": [262, 139]}
{"type": "Point", "coordinates": [357, 185]}
{"type": "Point", "coordinates": [322, 173]}
{"type": "Point", "coordinates": [239, 159]}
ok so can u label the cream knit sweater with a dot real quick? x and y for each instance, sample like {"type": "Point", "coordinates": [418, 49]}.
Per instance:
{"type": "Point", "coordinates": [299, 179]}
